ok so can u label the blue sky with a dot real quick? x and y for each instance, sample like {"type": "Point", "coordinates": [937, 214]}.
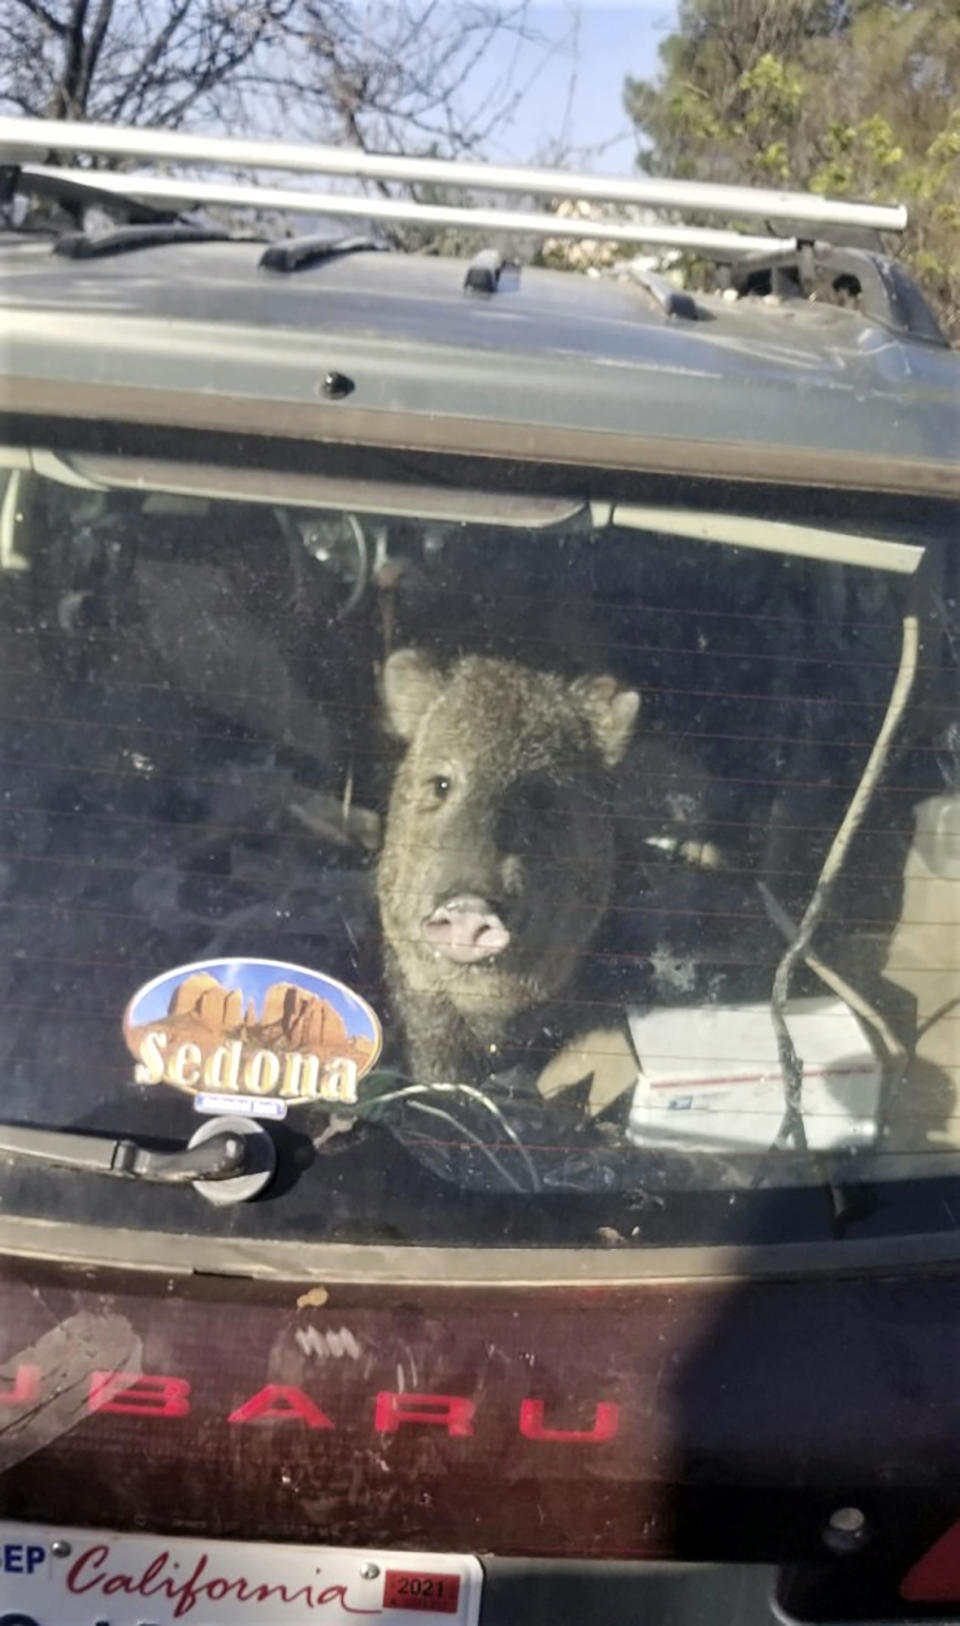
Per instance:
{"type": "Point", "coordinates": [563, 84]}
{"type": "Point", "coordinates": [575, 95]}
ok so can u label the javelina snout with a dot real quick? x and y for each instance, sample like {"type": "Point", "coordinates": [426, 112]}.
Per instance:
{"type": "Point", "coordinates": [494, 848]}
{"type": "Point", "coordinates": [498, 849]}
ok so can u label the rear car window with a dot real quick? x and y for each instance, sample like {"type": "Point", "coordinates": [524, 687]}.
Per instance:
{"type": "Point", "coordinates": [460, 840]}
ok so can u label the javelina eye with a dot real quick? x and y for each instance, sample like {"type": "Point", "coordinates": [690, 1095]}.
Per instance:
{"type": "Point", "coordinates": [440, 786]}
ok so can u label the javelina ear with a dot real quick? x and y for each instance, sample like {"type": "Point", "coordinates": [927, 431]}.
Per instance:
{"type": "Point", "coordinates": [410, 686]}
{"type": "Point", "coordinates": [611, 713]}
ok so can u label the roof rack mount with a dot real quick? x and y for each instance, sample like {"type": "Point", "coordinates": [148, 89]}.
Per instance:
{"type": "Point", "coordinates": [22, 140]}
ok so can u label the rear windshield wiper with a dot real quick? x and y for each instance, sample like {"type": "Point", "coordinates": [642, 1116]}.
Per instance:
{"type": "Point", "coordinates": [227, 1160]}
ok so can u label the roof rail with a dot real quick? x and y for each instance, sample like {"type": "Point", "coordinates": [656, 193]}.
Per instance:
{"type": "Point", "coordinates": [76, 245]}
{"type": "Point", "coordinates": [176, 193]}
{"type": "Point", "coordinates": [75, 190]}
{"type": "Point", "coordinates": [299, 253]}
{"type": "Point", "coordinates": [24, 139]}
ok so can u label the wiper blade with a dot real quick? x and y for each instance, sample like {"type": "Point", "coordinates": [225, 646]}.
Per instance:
{"type": "Point", "coordinates": [227, 1160]}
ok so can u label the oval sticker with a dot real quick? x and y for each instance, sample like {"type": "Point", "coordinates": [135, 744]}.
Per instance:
{"type": "Point", "coordinates": [233, 1032]}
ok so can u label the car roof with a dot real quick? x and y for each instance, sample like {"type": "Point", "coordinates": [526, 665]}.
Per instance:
{"type": "Point", "coordinates": [599, 357]}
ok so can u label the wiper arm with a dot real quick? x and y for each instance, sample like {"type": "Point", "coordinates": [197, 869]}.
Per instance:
{"type": "Point", "coordinates": [214, 1159]}
{"type": "Point", "coordinates": [227, 1160]}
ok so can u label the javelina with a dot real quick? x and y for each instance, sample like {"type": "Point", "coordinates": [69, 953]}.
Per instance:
{"type": "Point", "coordinates": [498, 854]}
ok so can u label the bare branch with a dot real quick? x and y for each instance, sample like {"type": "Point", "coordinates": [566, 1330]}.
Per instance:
{"type": "Point", "coordinates": [93, 48]}
{"type": "Point", "coordinates": [66, 104]}
{"type": "Point", "coordinates": [49, 21]}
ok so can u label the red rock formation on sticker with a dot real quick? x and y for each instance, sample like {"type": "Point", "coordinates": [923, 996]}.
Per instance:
{"type": "Point", "coordinates": [296, 1020]}
{"type": "Point", "coordinates": [204, 999]}
{"type": "Point", "coordinates": [204, 1013]}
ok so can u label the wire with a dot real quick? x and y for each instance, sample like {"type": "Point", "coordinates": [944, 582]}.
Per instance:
{"type": "Point", "coordinates": [792, 1128]}
{"type": "Point", "coordinates": [460, 1129]}
{"type": "Point", "coordinates": [470, 1090]}
{"type": "Point", "coordinates": [833, 980]}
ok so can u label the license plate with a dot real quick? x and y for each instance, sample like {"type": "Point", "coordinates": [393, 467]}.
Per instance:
{"type": "Point", "coordinates": [65, 1577]}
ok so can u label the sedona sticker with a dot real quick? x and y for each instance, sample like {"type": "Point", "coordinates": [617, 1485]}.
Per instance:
{"type": "Point", "coordinates": [254, 1035]}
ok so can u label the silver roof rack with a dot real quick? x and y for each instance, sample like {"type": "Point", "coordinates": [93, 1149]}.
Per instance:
{"type": "Point", "coordinates": [23, 141]}
{"type": "Point", "coordinates": [176, 193]}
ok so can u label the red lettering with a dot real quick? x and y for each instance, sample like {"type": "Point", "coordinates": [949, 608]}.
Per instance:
{"type": "Point", "coordinates": [606, 1425]}
{"type": "Point", "coordinates": [90, 1573]}
{"type": "Point", "coordinates": [452, 1412]}
{"type": "Point", "coordinates": [26, 1387]}
{"type": "Point", "coordinates": [154, 1569]}
{"type": "Point", "coordinates": [188, 1593]}
{"type": "Point", "coordinates": [338, 1594]}
{"type": "Point", "coordinates": [138, 1395]}
{"type": "Point", "coordinates": [97, 1556]}
{"type": "Point", "coordinates": [278, 1404]}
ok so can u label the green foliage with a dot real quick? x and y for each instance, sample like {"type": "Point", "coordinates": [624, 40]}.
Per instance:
{"type": "Point", "coordinates": [772, 91]}
{"type": "Point", "coordinates": [860, 98]}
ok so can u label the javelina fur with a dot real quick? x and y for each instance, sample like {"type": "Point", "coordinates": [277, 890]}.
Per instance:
{"type": "Point", "coordinates": [498, 853]}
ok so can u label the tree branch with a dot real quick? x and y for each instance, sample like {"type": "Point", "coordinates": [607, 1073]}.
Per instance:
{"type": "Point", "coordinates": [43, 15]}
{"type": "Point", "coordinates": [65, 102]}
{"type": "Point", "coordinates": [91, 55]}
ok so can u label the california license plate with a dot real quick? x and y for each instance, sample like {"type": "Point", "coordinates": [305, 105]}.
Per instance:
{"type": "Point", "coordinates": [65, 1577]}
